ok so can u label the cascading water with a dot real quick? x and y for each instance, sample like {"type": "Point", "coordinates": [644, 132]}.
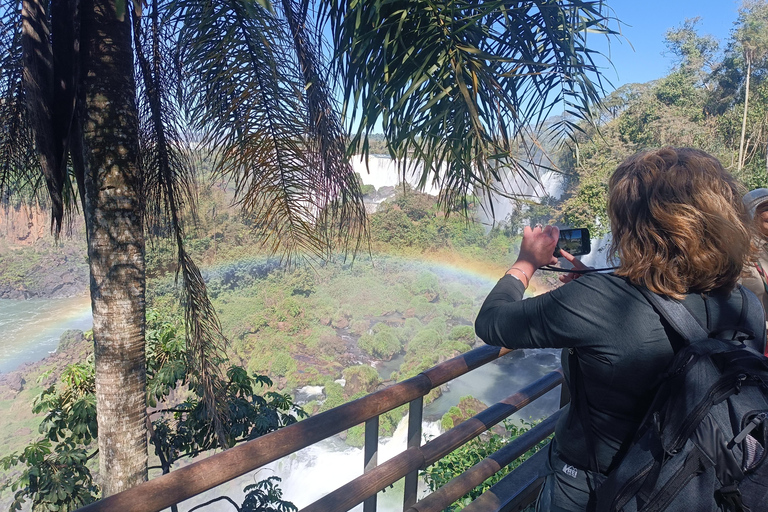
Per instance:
{"type": "Point", "coordinates": [543, 184]}
{"type": "Point", "coordinates": [313, 472]}
{"type": "Point", "coordinates": [598, 257]}
{"type": "Point", "coordinates": [382, 171]}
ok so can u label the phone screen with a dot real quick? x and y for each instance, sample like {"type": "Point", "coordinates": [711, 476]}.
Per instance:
{"type": "Point", "coordinates": [574, 241]}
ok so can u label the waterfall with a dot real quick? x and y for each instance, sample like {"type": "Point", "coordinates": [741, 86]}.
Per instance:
{"type": "Point", "coordinates": [382, 171]}
{"type": "Point", "coordinates": [598, 256]}
{"type": "Point", "coordinates": [311, 473]}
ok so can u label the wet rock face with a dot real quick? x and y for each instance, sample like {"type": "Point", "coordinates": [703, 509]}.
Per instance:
{"type": "Point", "coordinates": [11, 384]}
{"type": "Point", "coordinates": [33, 263]}
{"type": "Point", "coordinates": [13, 381]}
{"type": "Point", "coordinates": [70, 338]}
{"type": "Point", "coordinates": [23, 225]}
{"type": "Point", "coordinates": [57, 273]}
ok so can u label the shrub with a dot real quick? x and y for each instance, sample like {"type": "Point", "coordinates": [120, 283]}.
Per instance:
{"type": "Point", "coordinates": [421, 306]}
{"type": "Point", "coordinates": [439, 325]}
{"type": "Point", "coordinates": [466, 456]}
{"type": "Point", "coordinates": [426, 340]}
{"type": "Point", "coordinates": [360, 378]}
{"type": "Point", "coordinates": [356, 436]}
{"type": "Point", "coordinates": [283, 364]}
{"type": "Point", "coordinates": [383, 344]}
{"type": "Point", "coordinates": [359, 327]}
{"type": "Point", "coordinates": [334, 395]}
{"type": "Point", "coordinates": [463, 333]}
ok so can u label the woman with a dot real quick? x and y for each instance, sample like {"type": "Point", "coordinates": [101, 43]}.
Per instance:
{"type": "Point", "coordinates": [679, 229]}
{"type": "Point", "coordinates": [754, 276]}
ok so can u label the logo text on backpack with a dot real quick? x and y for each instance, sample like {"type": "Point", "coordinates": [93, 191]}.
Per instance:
{"type": "Point", "coordinates": [570, 471]}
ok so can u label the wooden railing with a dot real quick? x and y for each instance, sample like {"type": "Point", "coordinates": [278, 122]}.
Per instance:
{"type": "Point", "coordinates": [184, 483]}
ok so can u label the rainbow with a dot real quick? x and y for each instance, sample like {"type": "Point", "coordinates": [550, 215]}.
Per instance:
{"type": "Point", "coordinates": [444, 263]}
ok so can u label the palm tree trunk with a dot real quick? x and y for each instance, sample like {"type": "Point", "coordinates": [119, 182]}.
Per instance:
{"type": "Point", "coordinates": [115, 244]}
{"type": "Point", "coordinates": [744, 118]}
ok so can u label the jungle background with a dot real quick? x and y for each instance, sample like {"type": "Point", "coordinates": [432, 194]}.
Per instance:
{"type": "Point", "coordinates": [313, 324]}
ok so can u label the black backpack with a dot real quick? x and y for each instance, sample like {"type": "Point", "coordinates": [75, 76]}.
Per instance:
{"type": "Point", "coordinates": [703, 443]}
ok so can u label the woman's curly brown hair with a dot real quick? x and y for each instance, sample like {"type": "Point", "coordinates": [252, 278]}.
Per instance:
{"type": "Point", "coordinates": [678, 222]}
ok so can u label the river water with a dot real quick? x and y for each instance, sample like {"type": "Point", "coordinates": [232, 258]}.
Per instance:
{"type": "Point", "coordinates": [30, 329]}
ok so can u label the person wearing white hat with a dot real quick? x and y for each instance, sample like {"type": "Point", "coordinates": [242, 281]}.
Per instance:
{"type": "Point", "coordinates": [754, 276]}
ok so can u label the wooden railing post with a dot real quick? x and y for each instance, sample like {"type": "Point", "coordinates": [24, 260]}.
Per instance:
{"type": "Point", "coordinates": [415, 414]}
{"type": "Point", "coordinates": [371, 456]}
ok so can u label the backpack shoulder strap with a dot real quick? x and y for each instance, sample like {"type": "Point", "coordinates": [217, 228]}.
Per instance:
{"type": "Point", "coordinates": [678, 317]}
{"type": "Point", "coordinates": [751, 323]}
{"type": "Point", "coordinates": [753, 318]}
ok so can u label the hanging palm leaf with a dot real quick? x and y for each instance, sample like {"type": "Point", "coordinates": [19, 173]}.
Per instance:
{"type": "Point", "coordinates": [457, 85]}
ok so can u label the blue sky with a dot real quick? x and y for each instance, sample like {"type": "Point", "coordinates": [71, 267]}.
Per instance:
{"type": "Point", "coordinates": [644, 23]}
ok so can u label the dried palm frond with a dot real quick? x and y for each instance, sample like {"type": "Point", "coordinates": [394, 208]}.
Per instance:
{"type": "Point", "coordinates": [169, 194]}
{"type": "Point", "coordinates": [256, 96]}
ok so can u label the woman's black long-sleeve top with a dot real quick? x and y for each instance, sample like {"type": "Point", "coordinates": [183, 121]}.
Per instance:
{"type": "Point", "coordinates": [619, 339]}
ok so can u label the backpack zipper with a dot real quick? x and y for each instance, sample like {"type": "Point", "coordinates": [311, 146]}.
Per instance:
{"type": "Point", "coordinates": [619, 501]}
{"type": "Point", "coordinates": [753, 423]}
{"type": "Point", "coordinates": [715, 392]}
{"type": "Point", "coordinates": [700, 411]}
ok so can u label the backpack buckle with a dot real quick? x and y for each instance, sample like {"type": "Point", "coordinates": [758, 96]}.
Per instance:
{"type": "Point", "coordinates": [729, 498]}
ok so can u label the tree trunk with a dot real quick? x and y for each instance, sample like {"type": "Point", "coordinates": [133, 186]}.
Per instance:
{"type": "Point", "coordinates": [114, 223]}
{"type": "Point", "coordinates": [744, 118]}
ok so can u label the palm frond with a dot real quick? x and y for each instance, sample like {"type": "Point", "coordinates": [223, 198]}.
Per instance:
{"type": "Point", "coordinates": [206, 354]}
{"type": "Point", "coordinates": [168, 194]}
{"type": "Point", "coordinates": [342, 208]}
{"type": "Point", "coordinates": [38, 81]}
{"type": "Point", "coordinates": [19, 174]}
{"type": "Point", "coordinates": [455, 84]}
{"type": "Point", "coordinates": [38, 105]}
{"type": "Point", "coordinates": [248, 95]}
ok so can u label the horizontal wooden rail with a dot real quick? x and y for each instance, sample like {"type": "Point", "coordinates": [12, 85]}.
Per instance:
{"type": "Point", "coordinates": [356, 491]}
{"type": "Point", "coordinates": [517, 490]}
{"type": "Point", "coordinates": [486, 468]}
{"type": "Point", "coordinates": [184, 483]}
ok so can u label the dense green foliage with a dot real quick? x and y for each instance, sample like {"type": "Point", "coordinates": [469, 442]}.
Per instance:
{"type": "Point", "coordinates": [471, 453]}
{"type": "Point", "coordinates": [700, 104]}
{"type": "Point", "coordinates": [56, 474]}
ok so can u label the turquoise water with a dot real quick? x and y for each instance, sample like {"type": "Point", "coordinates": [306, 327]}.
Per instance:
{"type": "Point", "coordinates": [30, 329]}
{"type": "Point", "coordinates": [495, 381]}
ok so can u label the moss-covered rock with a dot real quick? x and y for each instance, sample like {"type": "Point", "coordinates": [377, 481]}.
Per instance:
{"type": "Point", "coordinates": [468, 406]}
{"type": "Point", "coordinates": [362, 378]}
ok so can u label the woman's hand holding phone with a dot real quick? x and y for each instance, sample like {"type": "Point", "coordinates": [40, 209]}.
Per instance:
{"type": "Point", "coordinates": [537, 247]}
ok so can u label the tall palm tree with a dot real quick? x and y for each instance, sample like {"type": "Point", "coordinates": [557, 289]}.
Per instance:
{"type": "Point", "coordinates": [102, 100]}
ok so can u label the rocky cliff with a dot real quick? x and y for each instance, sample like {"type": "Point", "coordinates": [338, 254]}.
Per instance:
{"type": "Point", "coordinates": [33, 264]}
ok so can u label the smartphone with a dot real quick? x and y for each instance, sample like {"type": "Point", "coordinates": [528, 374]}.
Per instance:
{"type": "Point", "coordinates": [575, 241]}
